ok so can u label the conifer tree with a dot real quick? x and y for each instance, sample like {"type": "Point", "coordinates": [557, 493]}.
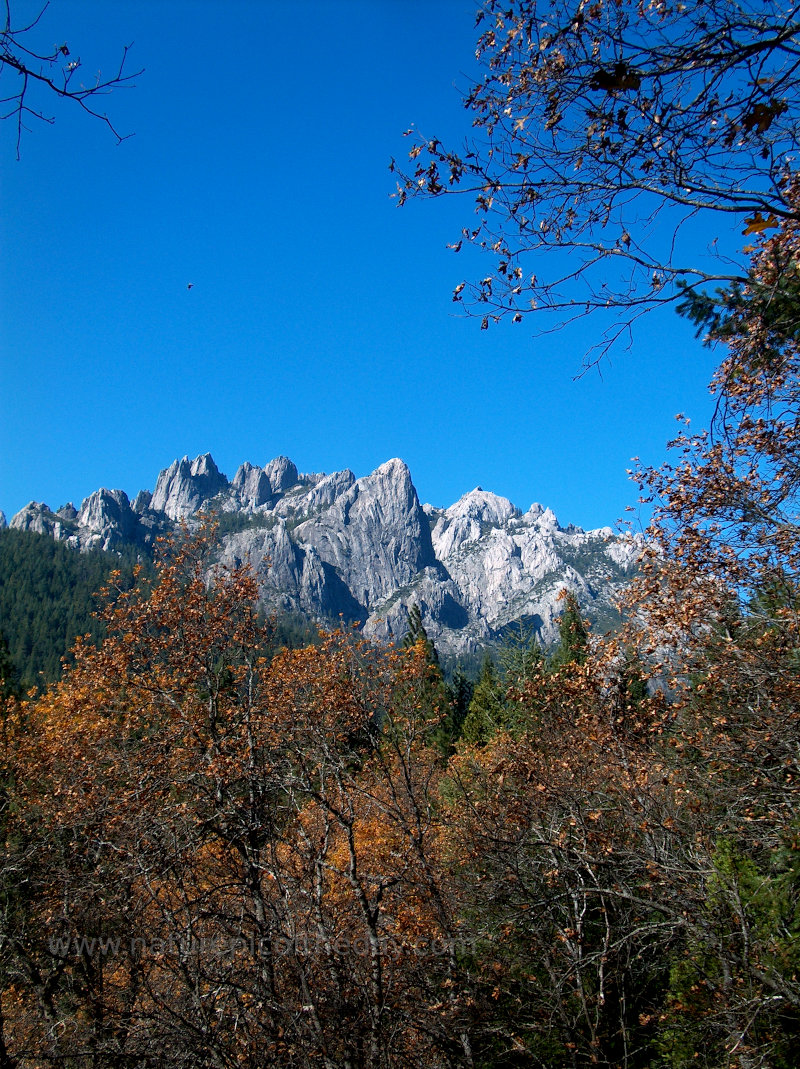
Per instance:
{"type": "Point", "coordinates": [487, 711]}
{"type": "Point", "coordinates": [573, 638]}
{"type": "Point", "coordinates": [460, 691]}
{"type": "Point", "coordinates": [9, 677]}
{"type": "Point", "coordinates": [417, 633]}
{"type": "Point", "coordinates": [520, 655]}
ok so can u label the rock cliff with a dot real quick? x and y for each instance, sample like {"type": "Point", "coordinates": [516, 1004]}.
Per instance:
{"type": "Point", "coordinates": [334, 546]}
{"type": "Point", "coordinates": [186, 485]}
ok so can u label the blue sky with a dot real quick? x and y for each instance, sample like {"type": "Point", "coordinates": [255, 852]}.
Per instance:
{"type": "Point", "coordinates": [320, 323]}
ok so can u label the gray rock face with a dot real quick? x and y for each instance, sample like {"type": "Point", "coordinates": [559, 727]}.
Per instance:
{"type": "Point", "coordinates": [375, 534]}
{"type": "Point", "coordinates": [469, 518]}
{"type": "Point", "coordinates": [142, 502]}
{"type": "Point", "coordinates": [440, 603]}
{"type": "Point", "coordinates": [292, 577]}
{"type": "Point", "coordinates": [253, 486]}
{"type": "Point", "coordinates": [37, 517]}
{"type": "Point", "coordinates": [106, 520]}
{"type": "Point", "coordinates": [328, 488]}
{"type": "Point", "coordinates": [282, 474]}
{"type": "Point", "coordinates": [334, 546]}
{"type": "Point", "coordinates": [509, 566]}
{"type": "Point", "coordinates": [3, 521]}
{"type": "Point", "coordinates": [186, 485]}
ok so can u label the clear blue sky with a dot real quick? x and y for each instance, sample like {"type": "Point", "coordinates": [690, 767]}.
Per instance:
{"type": "Point", "coordinates": [320, 323]}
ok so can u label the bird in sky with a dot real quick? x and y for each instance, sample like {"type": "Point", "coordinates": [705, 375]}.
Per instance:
{"type": "Point", "coordinates": [189, 286]}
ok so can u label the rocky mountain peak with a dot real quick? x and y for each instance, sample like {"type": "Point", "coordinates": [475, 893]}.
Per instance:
{"type": "Point", "coordinates": [36, 516]}
{"type": "Point", "coordinates": [186, 485]}
{"type": "Point", "coordinates": [107, 519]}
{"type": "Point", "coordinates": [375, 533]}
{"type": "Point", "coordinates": [204, 466]}
{"type": "Point", "coordinates": [548, 518]}
{"type": "Point", "coordinates": [366, 550]}
{"type": "Point", "coordinates": [142, 501]}
{"type": "Point", "coordinates": [327, 488]}
{"type": "Point", "coordinates": [252, 486]}
{"type": "Point", "coordinates": [394, 469]}
{"type": "Point", "coordinates": [282, 474]}
{"type": "Point", "coordinates": [469, 518]}
{"type": "Point", "coordinates": [484, 506]}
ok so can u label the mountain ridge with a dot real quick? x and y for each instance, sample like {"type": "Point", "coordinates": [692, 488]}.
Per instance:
{"type": "Point", "coordinates": [334, 546]}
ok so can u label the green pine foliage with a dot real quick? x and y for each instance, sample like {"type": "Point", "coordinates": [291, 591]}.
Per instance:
{"type": "Point", "coordinates": [9, 676]}
{"type": "Point", "coordinates": [417, 633]}
{"type": "Point", "coordinates": [721, 315]}
{"type": "Point", "coordinates": [437, 696]}
{"type": "Point", "coordinates": [492, 702]}
{"type": "Point", "coordinates": [460, 690]}
{"type": "Point", "coordinates": [520, 656]}
{"type": "Point", "coordinates": [752, 910]}
{"type": "Point", "coordinates": [47, 599]}
{"type": "Point", "coordinates": [487, 710]}
{"type": "Point", "coordinates": [573, 638]}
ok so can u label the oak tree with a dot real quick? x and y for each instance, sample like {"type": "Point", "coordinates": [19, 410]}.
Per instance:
{"type": "Point", "coordinates": [604, 134]}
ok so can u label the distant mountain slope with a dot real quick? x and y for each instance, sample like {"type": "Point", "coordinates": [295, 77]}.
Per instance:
{"type": "Point", "coordinates": [331, 546]}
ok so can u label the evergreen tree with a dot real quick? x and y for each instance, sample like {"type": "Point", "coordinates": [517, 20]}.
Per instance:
{"type": "Point", "coordinates": [9, 677]}
{"type": "Point", "coordinates": [417, 633]}
{"type": "Point", "coordinates": [520, 655]}
{"type": "Point", "coordinates": [460, 691]}
{"type": "Point", "coordinates": [435, 697]}
{"type": "Point", "coordinates": [487, 710]}
{"type": "Point", "coordinates": [573, 638]}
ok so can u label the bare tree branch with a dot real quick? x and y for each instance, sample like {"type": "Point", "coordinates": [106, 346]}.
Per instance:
{"type": "Point", "coordinates": [56, 72]}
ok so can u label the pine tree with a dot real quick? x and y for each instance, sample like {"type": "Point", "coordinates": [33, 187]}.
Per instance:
{"type": "Point", "coordinates": [417, 633]}
{"type": "Point", "coordinates": [487, 711]}
{"type": "Point", "coordinates": [460, 691]}
{"type": "Point", "coordinates": [9, 677]}
{"type": "Point", "coordinates": [520, 655]}
{"type": "Point", "coordinates": [573, 638]}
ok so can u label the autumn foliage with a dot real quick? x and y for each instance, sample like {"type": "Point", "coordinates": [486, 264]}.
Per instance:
{"type": "Point", "coordinates": [215, 856]}
{"type": "Point", "coordinates": [216, 853]}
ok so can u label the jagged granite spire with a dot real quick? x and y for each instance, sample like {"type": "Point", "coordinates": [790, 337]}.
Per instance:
{"type": "Point", "coordinates": [186, 485]}
{"type": "Point", "coordinates": [365, 549]}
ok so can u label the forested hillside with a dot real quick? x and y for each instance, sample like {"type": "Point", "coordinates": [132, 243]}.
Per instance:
{"type": "Point", "coordinates": [47, 599]}
{"type": "Point", "coordinates": [50, 594]}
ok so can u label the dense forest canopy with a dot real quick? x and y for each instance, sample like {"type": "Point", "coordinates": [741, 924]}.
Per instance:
{"type": "Point", "coordinates": [48, 598]}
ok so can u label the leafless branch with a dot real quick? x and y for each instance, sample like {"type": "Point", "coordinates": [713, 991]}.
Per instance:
{"type": "Point", "coordinates": [56, 72]}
